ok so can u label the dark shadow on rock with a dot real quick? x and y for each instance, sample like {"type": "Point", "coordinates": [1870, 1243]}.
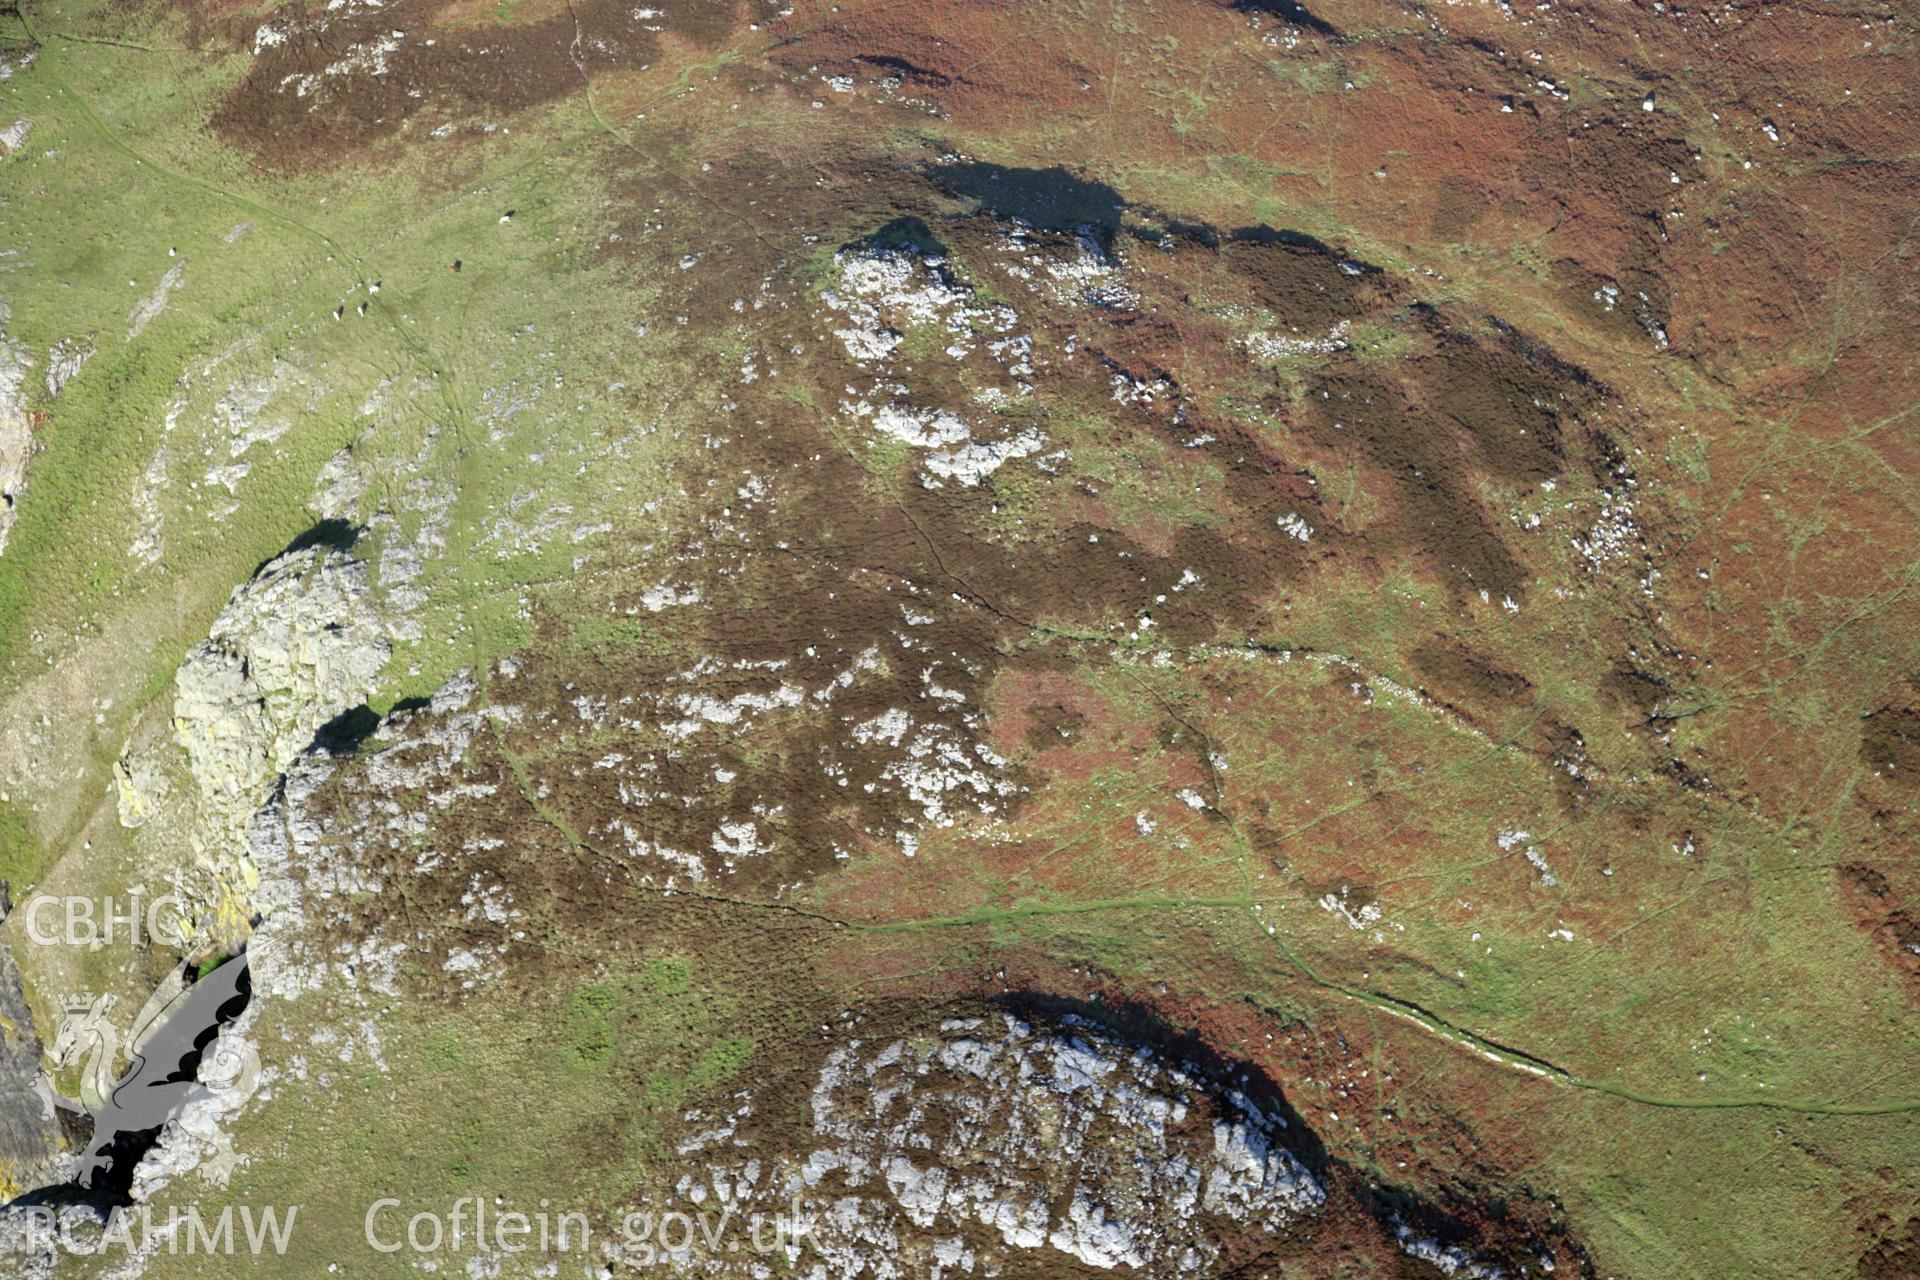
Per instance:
{"type": "Point", "coordinates": [342, 735]}
{"type": "Point", "coordinates": [1135, 1024]}
{"type": "Point", "coordinates": [1487, 1227]}
{"type": "Point", "coordinates": [1047, 199]}
{"type": "Point", "coordinates": [338, 535]}
{"type": "Point", "coordinates": [908, 233]}
{"type": "Point", "coordinates": [1290, 11]}
{"type": "Point", "coordinates": [1163, 230]}
{"type": "Point", "coordinates": [1268, 236]}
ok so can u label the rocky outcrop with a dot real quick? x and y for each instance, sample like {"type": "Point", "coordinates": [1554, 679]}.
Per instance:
{"type": "Point", "coordinates": [16, 427]}
{"type": "Point", "coordinates": [296, 646]}
{"type": "Point", "coordinates": [30, 1140]}
{"type": "Point", "coordinates": [998, 1145]}
{"type": "Point", "coordinates": [154, 303]}
{"type": "Point", "coordinates": [64, 361]}
{"type": "Point", "coordinates": [309, 849]}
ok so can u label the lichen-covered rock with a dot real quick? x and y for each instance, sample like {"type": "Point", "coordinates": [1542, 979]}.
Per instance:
{"type": "Point", "coordinates": [140, 787]}
{"type": "Point", "coordinates": [296, 646]}
{"type": "Point", "coordinates": [991, 1144]}
{"type": "Point", "coordinates": [64, 360]}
